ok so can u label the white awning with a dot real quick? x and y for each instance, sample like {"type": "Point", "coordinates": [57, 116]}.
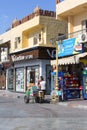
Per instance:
{"type": "Point", "coordinates": [64, 61]}
{"type": "Point", "coordinates": [69, 60]}
{"type": "Point", "coordinates": [77, 57]}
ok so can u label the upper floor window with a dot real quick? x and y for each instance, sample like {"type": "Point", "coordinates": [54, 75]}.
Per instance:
{"type": "Point", "coordinates": [17, 41]}
{"type": "Point", "coordinates": [37, 38]}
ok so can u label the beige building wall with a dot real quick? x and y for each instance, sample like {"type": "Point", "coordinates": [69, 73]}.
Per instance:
{"type": "Point", "coordinates": [5, 37]}
{"type": "Point", "coordinates": [48, 27]}
{"type": "Point", "coordinates": [70, 24]}
{"type": "Point", "coordinates": [78, 20]}
{"type": "Point", "coordinates": [73, 12]}
{"type": "Point", "coordinates": [52, 28]}
{"type": "Point", "coordinates": [70, 6]}
{"type": "Point", "coordinates": [75, 22]}
{"type": "Point", "coordinates": [36, 29]}
{"type": "Point", "coordinates": [18, 32]}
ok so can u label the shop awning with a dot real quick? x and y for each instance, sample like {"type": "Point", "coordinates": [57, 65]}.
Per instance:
{"type": "Point", "coordinates": [77, 57]}
{"type": "Point", "coordinates": [69, 60]}
{"type": "Point", "coordinates": [64, 61]}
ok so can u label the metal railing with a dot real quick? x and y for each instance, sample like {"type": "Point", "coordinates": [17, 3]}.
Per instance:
{"type": "Point", "coordinates": [76, 34]}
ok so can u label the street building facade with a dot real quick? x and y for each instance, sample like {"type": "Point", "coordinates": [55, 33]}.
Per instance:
{"type": "Point", "coordinates": [72, 55]}
{"type": "Point", "coordinates": [28, 49]}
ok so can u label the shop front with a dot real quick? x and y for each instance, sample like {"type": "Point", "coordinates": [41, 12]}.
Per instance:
{"type": "Point", "coordinates": [70, 66]}
{"type": "Point", "coordinates": [83, 61]}
{"type": "Point", "coordinates": [29, 65]}
{"type": "Point", "coordinates": [69, 79]}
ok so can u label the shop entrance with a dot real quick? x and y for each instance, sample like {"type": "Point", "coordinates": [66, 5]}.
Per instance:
{"type": "Point", "coordinates": [32, 76]}
{"type": "Point", "coordinates": [69, 81]}
{"type": "Point", "coordinates": [48, 79]}
{"type": "Point", "coordinates": [2, 80]}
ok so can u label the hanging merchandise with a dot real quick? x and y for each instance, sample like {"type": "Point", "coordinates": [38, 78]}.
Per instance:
{"type": "Point", "coordinates": [71, 86]}
{"type": "Point", "coordinates": [68, 84]}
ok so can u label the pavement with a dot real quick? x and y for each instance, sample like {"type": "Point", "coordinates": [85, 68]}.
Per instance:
{"type": "Point", "coordinates": [11, 94]}
{"type": "Point", "coordinates": [75, 103]}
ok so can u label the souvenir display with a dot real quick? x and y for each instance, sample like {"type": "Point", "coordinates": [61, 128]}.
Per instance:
{"type": "Point", "coordinates": [71, 85]}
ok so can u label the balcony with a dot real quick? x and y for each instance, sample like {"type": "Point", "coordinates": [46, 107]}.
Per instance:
{"type": "Point", "coordinates": [81, 35]}
{"type": "Point", "coordinates": [70, 7]}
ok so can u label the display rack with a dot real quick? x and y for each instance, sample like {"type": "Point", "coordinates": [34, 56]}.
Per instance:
{"type": "Point", "coordinates": [71, 86]}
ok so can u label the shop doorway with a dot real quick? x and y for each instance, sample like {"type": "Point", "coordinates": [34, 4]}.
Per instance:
{"type": "Point", "coordinates": [2, 80]}
{"type": "Point", "coordinates": [32, 76]}
{"type": "Point", "coordinates": [48, 79]}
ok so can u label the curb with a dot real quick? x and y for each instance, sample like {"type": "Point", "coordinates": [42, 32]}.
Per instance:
{"type": "Point", "coordinates": [74, 105]}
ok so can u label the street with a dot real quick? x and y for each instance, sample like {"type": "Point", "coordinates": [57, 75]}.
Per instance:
{"type": "Point", "coordinates": [16, 115]}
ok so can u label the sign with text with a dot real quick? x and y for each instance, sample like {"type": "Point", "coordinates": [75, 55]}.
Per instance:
{"type": "Point", "coordinates": [69, 47]}
{"type": "Point", "coordinates": [37, 53]}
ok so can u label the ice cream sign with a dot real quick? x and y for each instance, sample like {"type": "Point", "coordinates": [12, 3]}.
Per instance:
{"type": "Point", "coordinates": [69, 47]}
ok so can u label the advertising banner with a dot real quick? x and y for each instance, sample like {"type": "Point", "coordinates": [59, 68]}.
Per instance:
{"type": "Point", "coordinates": [69, 47]}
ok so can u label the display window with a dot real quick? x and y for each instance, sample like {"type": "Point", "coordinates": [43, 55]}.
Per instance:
{"type": "Point", "coordinates": [28, 75]}
{"type": "Point", "coordinates": [32, 74]}
{"type": "Point", "coordinates": [20, 79]}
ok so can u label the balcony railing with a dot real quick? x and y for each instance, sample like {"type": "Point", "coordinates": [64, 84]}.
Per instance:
{"type": "Point", "coordinates": [80, 34]}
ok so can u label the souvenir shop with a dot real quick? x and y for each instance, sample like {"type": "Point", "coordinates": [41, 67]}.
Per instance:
{"type": "Point", "coordinates": [72, 76]}
{"type": "Point", "coordinates": [70, 68]}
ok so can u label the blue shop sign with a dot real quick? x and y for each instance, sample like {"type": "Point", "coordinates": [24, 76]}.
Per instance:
{"type": "Point", "coordinates": [69, 47]}
{"type": "Point", "coordinates": [60, 73]}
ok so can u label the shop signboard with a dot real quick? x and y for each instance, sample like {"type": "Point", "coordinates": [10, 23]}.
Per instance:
{"type": "Point", "coordinates": [34, 53]}
{"type": "Point", "coordinates": [68, 47]}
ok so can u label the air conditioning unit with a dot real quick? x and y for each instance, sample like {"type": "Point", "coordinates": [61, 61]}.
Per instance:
{"type": "Point", "coordinates": [82, 38]}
